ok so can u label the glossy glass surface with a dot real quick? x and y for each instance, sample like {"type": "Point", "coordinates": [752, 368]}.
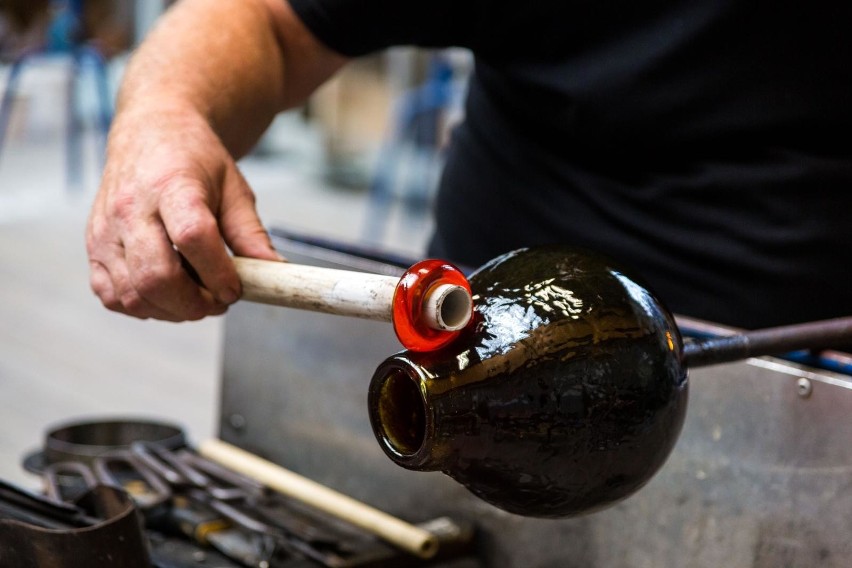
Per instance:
{"type": "Point", "coordinates": [565, 395]}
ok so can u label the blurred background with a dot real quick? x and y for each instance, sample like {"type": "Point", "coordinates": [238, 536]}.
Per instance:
{"type": "Point", "coordinates": [358, 163]}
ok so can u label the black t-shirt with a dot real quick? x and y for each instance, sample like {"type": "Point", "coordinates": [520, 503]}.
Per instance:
{"type": "Point", "coordinates": [704, 142]}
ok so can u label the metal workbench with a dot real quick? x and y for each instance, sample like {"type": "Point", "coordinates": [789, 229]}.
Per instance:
{"type": "Point", "coordinates": [761, 476]}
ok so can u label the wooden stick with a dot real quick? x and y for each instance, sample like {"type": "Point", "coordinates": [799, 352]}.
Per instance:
{"type": "Point", "coordinates": [328, 290]}
{"type": "Point", "coordinates": [395, 531]}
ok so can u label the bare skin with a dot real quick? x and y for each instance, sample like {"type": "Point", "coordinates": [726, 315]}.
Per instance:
{"type": "Point", "coordinates": [196, 96]}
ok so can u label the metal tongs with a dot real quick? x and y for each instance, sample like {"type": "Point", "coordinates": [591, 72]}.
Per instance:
{"type": "Point", "coordinates": [242, 519]}
{"type": "Point", "coordinates": [99, 524]}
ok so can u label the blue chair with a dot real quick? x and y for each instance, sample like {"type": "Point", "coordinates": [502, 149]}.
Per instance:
{"type": "Point", "coordinates": [64, 38]}
{"type": "Point", "coordinates": [411, 158]}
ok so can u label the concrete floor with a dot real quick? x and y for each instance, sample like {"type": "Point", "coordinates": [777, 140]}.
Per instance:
{"type": "Point", "coordinates": [62, 355]}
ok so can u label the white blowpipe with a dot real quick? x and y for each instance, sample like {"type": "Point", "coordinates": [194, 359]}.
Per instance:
{"type": "Point", "coordinates": [446, 307]}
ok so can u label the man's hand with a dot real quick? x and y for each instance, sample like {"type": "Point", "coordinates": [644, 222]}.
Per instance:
{"type": "Point", "coordinates": [198, 93]}
{"type": "Point", "coordinates": [170, 186]}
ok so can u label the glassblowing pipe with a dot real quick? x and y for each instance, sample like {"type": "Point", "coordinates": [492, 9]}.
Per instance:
{"type": "Point", "coordinates": [428, 306]}
{"type": "Point", "coordinates": [770, 341]}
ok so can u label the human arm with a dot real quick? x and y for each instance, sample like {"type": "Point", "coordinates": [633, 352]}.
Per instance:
{"type": "Point", "coordinates": [196, 96]}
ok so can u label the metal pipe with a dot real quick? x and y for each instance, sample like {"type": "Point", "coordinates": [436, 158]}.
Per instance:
{"type": "Point", "coordinates": [770, 341]}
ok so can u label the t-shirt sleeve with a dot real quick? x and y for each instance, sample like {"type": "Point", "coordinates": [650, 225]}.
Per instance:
{"type": "Point", "coordinates": [358, 27]}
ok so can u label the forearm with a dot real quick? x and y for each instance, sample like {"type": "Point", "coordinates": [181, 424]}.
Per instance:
{"type": "Point", "coordinates": [235, 63]}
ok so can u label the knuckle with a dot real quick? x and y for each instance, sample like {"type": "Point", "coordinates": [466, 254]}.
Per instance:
{"type": "Point", "coordinates": [113, 304]}
{"type": "Point", "coordinates": [102, 286]}
{"type": "Point", "coordinates": [190, 220]}
{"type": "Point", "coordinates": [101, 289]}
{"type": "Point", "coordinates": [174, 179]}
{"type": "Point", "coordinates": [107, 296]}
{"type": "Point", "coordinates": [247, 195]}
{"type": "Point", "coordinates": [193, 230]}
{"type": "Point", "coordinates": [124, 206]}
{"type": "Point", "coordinates": [132, 303]}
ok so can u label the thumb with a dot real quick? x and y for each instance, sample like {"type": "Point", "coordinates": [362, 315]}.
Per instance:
{"type": "Point", "coordinates": [240, 224]}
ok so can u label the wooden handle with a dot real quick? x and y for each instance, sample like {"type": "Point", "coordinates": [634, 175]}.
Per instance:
{"type": "Point", "coordinates": [328, 290]}
{"type": "Point", "coordinates": [428, 306]}
{"type": "Point", "coordinates": [395, 531]}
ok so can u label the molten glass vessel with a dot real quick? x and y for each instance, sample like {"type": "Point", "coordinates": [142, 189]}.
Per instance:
{"type": "Point", "coordinates": [565, 394]}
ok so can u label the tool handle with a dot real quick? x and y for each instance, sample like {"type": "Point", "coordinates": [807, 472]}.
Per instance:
{"type": "Point", "coordinates": [428, 306]}
{"type": "Point", "coordinates": [393, 530]}
{"type": "Point", "coordinates": [327, 290]}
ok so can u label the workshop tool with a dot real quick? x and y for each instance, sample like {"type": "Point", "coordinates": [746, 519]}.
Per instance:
{"type": "Point", "coordinates": [183, 494]}
{"type": "Point", "coordinates": [98, 529]}
{"type": "Point", "coordinates": [220, 513]}
{"type": "Point", "coordinates": [408, 537]}
{"type": "Point", "coordinates": [161, 507]}
{"type": "Point", "coordinates": [281, 526]}
{"type": "Point", "coordinates": [428, 305]}
{"type": "Point", "coordinates": [84, 440]}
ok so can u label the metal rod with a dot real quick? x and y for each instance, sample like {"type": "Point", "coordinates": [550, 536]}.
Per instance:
{"type": "Point", "coordinates": [770, 341]}
{"type": "Point", "coordinates": [408, 537]}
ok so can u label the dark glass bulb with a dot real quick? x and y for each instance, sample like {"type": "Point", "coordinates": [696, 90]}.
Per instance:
{"type": "Point", "coordinates": [565, 395]}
